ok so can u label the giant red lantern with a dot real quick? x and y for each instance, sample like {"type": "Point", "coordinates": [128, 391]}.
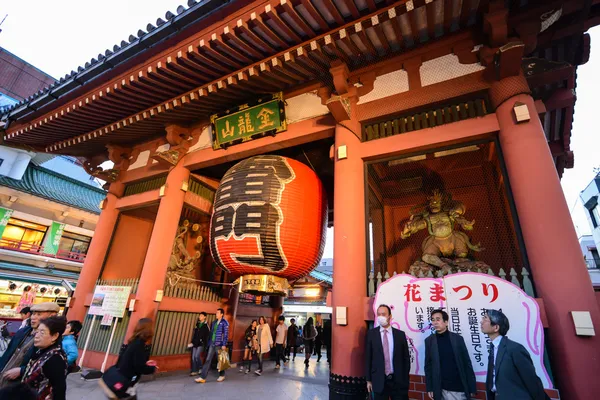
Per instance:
{"type": "Point", "coordinates": [269, 223]}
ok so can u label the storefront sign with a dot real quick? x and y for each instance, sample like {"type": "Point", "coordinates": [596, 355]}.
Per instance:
{"type": "Point", "coordinates": [247, 298]}
{"type": "Point", "coordinates": [465, 297]}
{"type": "Point", "coordinates": [263, 284]}
{"type": "Point", "coordinates": [266, 117]}
{"type": "Point", "coordinates": [110, 300]}
{"type": "Point", "coordinates": [5, 214]}
{"type": "Point", "coordinates": [53, 238]}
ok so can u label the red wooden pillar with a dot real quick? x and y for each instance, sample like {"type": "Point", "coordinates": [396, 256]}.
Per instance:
{"type": "Point", "coordinates": [156, 262]}
{"type": "Point", "coordinates": [92, 267]}
{"type": "Point", "coordinates": [350, 271]}
{"type": "Point", "coordinates": [559, 273]}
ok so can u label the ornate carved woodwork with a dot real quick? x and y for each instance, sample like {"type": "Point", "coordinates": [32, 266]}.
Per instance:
{"type": "Point", "coordinates": [502, 62]}
{"type": "Point", "coordinates": [182, 264]}
{"type": "Point", "coordinates": [168, 158]}
{"type": "Point", "coordinates": [535, 66]}
{"type": "Point", "coordinates": [180, 140]}
{"type": "Point", "coordinates": [343, 97]}
{"type": "Point", "coordinates": [92, 167]}
{"type": "Point", "coordinates": [120, 156]}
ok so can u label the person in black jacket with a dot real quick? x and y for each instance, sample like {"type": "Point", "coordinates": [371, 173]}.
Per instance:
{"type": "Point", "coordinates": [511, 373]}
{"type": "Point", "coordinates": [20, 391]}
{"type": "Point", "coordinates": [251, 346]}
{"type": "Point", "coordinates": [318, 341]}
{"type": "Point", "coordinates": [134, 360]}
{"type": "Point", "coordinates": [309, 335]}
{"type": "Point", "coordinates": [387, 359]}
{"type": "Point", "coordinates": [199, 341]}
{"type": "Point", "coordinates": [292, 339]}
{"type": "Point", "coordinates": [327, 338]}
{"type": "Point", "coordinates": [448, 370]}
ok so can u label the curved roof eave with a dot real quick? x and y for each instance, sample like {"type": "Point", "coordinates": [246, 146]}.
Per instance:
{"type": "Point", "coordinates": [126, 51]}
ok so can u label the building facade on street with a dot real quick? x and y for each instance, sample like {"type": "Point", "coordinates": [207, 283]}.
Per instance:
{"type": "Point", "coordinates": [589, 248]}
{"type": "Point", "coordinates": [395, 106]}
{"type": "Point", "coordinates": [19, 79]}
{"type": "Point", "coordinates": [591, 243]}
{"type": "Point", "coordinates": [49, 208]}
{"type": "Point", "coordinates": [308, 296]}
{"type": "Point", "coordinates": [46, 228]}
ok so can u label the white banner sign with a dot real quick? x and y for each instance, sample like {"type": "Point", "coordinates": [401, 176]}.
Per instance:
{"type": "Point", "coordinates": [110, 300]}
{"type": "Point", "coordinates": [107, 320]}
{"type": "Point", "coordinates": [465, 297]}
{"type": "Point", "coordinates": [307, 308]}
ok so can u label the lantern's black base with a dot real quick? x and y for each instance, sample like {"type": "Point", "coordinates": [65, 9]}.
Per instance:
{"type": "Point", "coordinates": [347, 387]}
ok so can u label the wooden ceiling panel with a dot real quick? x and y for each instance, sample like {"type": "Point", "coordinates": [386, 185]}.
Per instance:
{"type": "Point", "coordinates": [278, 25]}
{"type": "Point", "coordinates": [296, 20]}
{"type": "Point", "coordinates": [347, 8]}
{"type": "Point", "coordinates": [314, 17]}
{"type": "Point", "coordinates": [329, 11]}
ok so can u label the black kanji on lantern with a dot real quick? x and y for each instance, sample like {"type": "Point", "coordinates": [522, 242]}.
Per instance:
{"type": "Point", "coordinates": [247, 204]}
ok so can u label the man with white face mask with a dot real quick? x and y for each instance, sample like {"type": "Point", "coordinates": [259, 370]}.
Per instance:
{"type": "Point", "coordinates": [388, 359]}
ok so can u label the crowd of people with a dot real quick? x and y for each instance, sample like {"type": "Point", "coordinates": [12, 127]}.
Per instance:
{"type": "Point", "coordinates": [258, 342]}
{"type": "Point", "coordinates": [449, 373]}
{"type": "Point", "coordinates": [39, 356]}
{"type": "Point", "coordinates": [44, 351]}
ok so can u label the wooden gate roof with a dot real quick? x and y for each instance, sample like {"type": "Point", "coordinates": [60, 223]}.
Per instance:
{"type": "Point", "coordinates": [261, 47]}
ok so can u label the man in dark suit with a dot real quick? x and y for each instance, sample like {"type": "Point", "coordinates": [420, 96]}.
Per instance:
{"type": "Point", "coordinates": [388, 359]}
{"type": "Point", "coordinates": [511, 374]}
{"type": "Point", "coordinates": [448, 370]}
{"type": "Point", "coordinates": [327, 338]}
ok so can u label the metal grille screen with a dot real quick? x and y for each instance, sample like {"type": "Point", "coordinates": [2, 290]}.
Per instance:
{"type": "Point", "coordinates": [173, 332]}
{"type": "Point", "coordinates": [101, 334]}
{"type": "Point", "coordinates": [471, 182]}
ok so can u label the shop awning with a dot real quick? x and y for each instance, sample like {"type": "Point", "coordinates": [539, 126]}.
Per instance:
{"type": "Point", "coordinates": [321, 277]}
{"type": "Point", "coordinates": [33, 274]}
{"type": "Point", "coordinates": [47, 184]}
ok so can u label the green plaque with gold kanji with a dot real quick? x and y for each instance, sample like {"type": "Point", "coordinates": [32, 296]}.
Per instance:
{"type": "Point", "coordinates": [264, 117]}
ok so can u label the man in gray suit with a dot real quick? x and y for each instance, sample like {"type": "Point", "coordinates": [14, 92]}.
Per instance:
{"type": "Point", "coordinates": [511, 374]}
{"type": "Point", "coordinates": [448, 370]}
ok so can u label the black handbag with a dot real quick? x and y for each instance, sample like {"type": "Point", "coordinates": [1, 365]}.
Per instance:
{"type": "Point", "coordinates": [116, 381]}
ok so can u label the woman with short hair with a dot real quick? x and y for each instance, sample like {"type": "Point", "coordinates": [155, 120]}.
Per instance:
{"type": "Point", "coordinates": [46, 372]}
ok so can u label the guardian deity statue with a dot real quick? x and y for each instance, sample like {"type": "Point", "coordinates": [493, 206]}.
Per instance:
{"type": "Point", "coordinates": [445, 246]}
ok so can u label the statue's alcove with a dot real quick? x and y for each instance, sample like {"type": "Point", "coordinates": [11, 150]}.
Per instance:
{"type": "Point", "coordinates": [469, 175]}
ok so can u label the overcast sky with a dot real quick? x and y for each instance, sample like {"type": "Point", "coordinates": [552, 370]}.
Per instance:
{"type": "Point", "coordinates": [59, 35]}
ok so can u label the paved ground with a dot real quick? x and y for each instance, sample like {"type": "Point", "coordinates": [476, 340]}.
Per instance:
{"type": "Point", "coordinates": [291, 382]}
